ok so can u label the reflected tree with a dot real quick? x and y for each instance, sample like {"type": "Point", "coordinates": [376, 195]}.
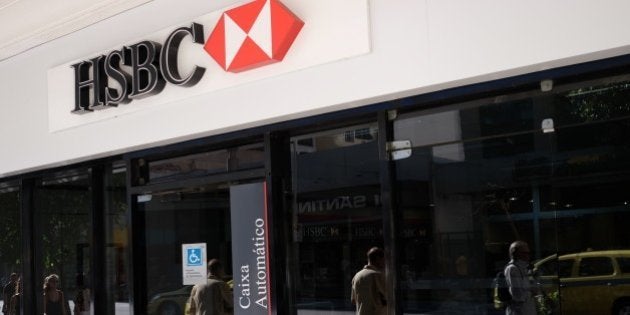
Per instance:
{"type": "Point", "coordinates": [65, 224]}
{"type": "Point", "coordinates": [590, 119]}
{"type": "Point", "coordinates": [10, 239]}
{"type": "Point", "coordinates": [595, 103]}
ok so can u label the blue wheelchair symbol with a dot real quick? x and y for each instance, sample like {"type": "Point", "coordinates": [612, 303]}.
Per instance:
{"type": "Point", "coordinates": [194, 257]}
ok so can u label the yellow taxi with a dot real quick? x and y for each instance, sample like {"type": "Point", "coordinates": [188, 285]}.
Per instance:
{"type": "Point", "coordinates": [591, 282]}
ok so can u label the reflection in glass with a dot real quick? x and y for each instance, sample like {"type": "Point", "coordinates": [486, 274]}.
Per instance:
{"type": "Point", "coordinates": [117, 240]}
{"type": "Point", "coordinates": [62, 216]}
{"type": "Point", "coordinates": [565, 267]}
{"type": "Point", "coordinates": [196, 164]}
{"type": "Point", "coordinates": [624, 264]}
{"type": "Point", "coordinates": [219, 161]}
{"type": "Point", "coordinates": [336, 214]}
{"type": "Point", "coordinates": [183, 216]}
{"type": "Point", "coordinates": [10, 238]}
{"type": "Point", "coordinates": [493, 177]}
{"type": "Point", "coordinates": [595, 266]}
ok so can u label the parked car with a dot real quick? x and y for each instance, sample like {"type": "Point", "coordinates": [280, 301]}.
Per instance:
{"type": "Point", "coordinates": [169, 303]}
{"type": "Point", "coordinates": [174, 302]}
{"type": "Point", "coordinates": [592, 282]}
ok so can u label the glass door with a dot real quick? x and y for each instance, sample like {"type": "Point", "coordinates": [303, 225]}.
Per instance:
{"type": "Point", "coordinates": [185, 229]}
{"type": "Point", "coordinates": [182, 216]}
{"type": "Point", "coordinates": [336, 215]}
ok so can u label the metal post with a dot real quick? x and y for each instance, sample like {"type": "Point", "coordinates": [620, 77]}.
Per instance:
{"type": "Point", "coordinates": [390, 215]}
{"type": "Point", "coordinates": [30, 290]}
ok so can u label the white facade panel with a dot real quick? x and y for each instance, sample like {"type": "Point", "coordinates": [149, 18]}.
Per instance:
{"type": "Point", "coordinates": [416, 47]}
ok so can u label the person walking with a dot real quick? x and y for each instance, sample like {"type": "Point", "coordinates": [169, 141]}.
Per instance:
{"type": "Point", "coordinates": [82, 298]}
{"type": "Point", "coordinates": [7, 292]}
{"type": "Point", "coordinates": [54, 301]}
{"type": "Point", "coordinates": [213, 297]}
{"type": "Point", "coordinates": [15, 307]}
{"type": "Point", "coordinates": [518, 281]}
{"type": "Point", "coordinates": [368, 285]}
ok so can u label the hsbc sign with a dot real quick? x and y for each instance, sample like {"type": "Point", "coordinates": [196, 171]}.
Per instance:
{"type": "Point", "coordinates": [252, 35]}
{"type": "Point", "coordinates": [214, 64]}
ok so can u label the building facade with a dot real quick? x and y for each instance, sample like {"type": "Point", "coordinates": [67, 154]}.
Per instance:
{"type": "Point", "coordinates": [286, 138]}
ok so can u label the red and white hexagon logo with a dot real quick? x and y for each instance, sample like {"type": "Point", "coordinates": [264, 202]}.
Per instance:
{"type": "Point", "coordinates": [253, 35]}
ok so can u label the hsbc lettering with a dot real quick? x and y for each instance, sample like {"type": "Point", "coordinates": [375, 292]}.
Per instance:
{"type": "Point", "coordinates": [151, 66]}
{"type": "Point", "coordinates": [262, 31]}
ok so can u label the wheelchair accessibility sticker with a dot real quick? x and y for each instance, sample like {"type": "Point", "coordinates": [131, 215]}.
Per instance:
{"type": "Point", "coordinates": [194, 257]}
{"type": "Point", "coordinates": [194, 263]}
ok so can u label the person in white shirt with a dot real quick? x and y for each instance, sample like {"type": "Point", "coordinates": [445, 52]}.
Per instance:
{"type": "Point", "coordinates": [519, 282]}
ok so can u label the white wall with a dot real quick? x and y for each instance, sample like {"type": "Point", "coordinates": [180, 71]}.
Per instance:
{"type": "Point", "coordinates": [417, 47]}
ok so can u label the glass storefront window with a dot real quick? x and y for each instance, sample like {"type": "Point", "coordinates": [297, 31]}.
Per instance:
{"type": "Point", "coordinates": [117, 240]}
{"type": "Point", "coordinates": [10, 240]}
{"type": "Point", "coordinates": [336, 214]}
{"type": "Point", "coordinates": [190, 165]}
{"type": "Point", "coordinates": [481, 175]}
{"type": "Point", "coordinates": [484, 176]}
{"type": "Point", "coordinates": [213, 162]}
{"type": "Point", "coordinates": [62, 222]}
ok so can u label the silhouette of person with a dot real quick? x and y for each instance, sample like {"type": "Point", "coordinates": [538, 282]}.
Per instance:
{"type": "Point", "coordinates": [213, 297]}
{"type": "Point", "coordinates": [54, 301]}
{"type": "Point", "coordinates": [518, 281]}
{"type": "Point", "coordinates": [15, 305]}
{"type": "Point", "coordinates": [7, 292]}
{"type": "Point", "coordinates": [461, 266]}
{"type": "Point", "coordinates": [82, 298]}
{"type": "Point", "coordinates": [368, 285]}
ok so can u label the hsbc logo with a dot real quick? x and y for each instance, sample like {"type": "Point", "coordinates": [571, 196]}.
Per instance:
{"type": "Point", "coordinates": [253, 35]}
{"type": "Point", "coordinates": [256, 34]}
